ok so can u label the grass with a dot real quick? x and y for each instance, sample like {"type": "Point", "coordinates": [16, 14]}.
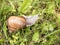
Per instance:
{"type": "Point", "coordinates": [46, 31]}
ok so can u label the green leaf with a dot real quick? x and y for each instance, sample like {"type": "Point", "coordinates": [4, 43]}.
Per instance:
{"type": "Point", "coordinates": [25, 5]}
{"type": "Point", "coordinates": [1, 41]}
{"type": "Point", "coordinates": [51, 7]}
{"type": "Point", "coordinates": [22, 43]}
{"type": "Point", "coordinates": [5, 30]}
{"type": "Point", "coordinates": [35, 36]}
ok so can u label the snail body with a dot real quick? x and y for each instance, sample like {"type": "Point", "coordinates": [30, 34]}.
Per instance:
{"type": "Point", "coordinates": [19, 22]}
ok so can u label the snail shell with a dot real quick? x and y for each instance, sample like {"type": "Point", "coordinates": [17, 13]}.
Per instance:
{"type": "Point", "coordinates": [16, 22]}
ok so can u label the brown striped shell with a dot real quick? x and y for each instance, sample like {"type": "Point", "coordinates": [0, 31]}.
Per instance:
{"type": "Point", "coordinates": [16, 22]}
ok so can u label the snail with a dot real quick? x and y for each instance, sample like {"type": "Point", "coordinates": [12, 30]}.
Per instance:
{"type": "Point", "coordinates": [19, 22]}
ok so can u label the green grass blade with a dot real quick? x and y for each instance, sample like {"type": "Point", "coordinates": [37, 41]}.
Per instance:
{"type": "Point", "coordinates": [25, 5]}
{"type": "Point", "coordinates": [5, 29]}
